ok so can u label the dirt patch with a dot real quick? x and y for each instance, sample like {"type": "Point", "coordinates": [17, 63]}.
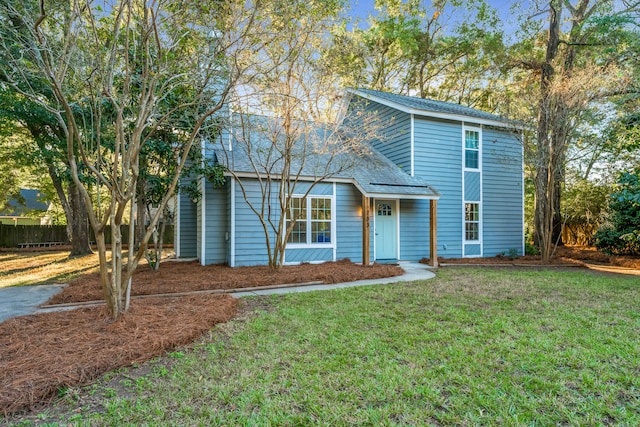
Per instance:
{"type": "Point", "coordinates": [174, 277]}
{"type": "Point", "coordinates": [44, 353]}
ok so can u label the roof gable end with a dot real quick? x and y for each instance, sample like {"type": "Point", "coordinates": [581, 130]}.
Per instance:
{"type": "Point", "coordinates": [436, 109]}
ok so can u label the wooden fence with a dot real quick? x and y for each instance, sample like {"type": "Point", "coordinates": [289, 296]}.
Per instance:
{"type": "Point", "coordinates": [49, 235]}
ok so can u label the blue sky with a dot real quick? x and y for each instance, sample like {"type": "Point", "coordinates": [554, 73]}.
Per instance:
{"type": "Point", "coordinates": [362, 8]}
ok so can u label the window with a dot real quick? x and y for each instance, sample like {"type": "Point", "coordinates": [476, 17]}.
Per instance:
{"type": "Point", "coordinates": [313, 225]}
{"type": "Point", "coordinates": [471, 149]}
{"type": "Point", "coordinates": [472, 221]}
{"type": "Point", "coordinates": [384, 209]}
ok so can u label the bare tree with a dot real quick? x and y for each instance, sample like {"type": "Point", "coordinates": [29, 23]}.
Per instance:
{"type": "Point", "coordinates": [286, 124]}
{"type": "Point", "coordinates": [131, 67]}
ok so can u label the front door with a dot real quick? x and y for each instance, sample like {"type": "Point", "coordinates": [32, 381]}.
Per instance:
{"type": "Point", "coordinates": [386, 230]}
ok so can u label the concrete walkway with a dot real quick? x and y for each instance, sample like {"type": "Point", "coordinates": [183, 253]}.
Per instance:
{"type": "Point", "coordinates": [412, 271]}
{"type": "Point", "coordinates": [22, 300]}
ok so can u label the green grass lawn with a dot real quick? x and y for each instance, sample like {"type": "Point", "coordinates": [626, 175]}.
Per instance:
{"type": "Point", "coordinates": [471, 347]}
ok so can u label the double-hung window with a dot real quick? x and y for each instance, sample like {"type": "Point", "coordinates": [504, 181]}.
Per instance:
{"type": "Point", "coordinates": [471, 149]}
{"type": "Point", "coordinates": [313, 217]}
{"type": "Point", "coordinates": [471, 222]}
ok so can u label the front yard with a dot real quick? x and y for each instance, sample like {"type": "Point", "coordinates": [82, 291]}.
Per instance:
{"type": "Point", "coordinates": [474, 346]}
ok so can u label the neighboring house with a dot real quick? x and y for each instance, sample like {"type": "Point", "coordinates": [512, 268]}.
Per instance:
{"type": "Point", "coordinates": [31, 210]}
{"type": "Point", "coordinates": [464, 164]}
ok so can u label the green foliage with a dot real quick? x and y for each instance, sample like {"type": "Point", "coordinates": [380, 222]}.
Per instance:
{"type": "Point", "coordinates": [621, 234]}
{"type": "Point", "coordinates": [584, 203]}
{"type": "Point", "coordinates": [529, 247]}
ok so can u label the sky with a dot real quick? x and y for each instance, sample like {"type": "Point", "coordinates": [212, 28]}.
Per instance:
{"type": "Point", "coordinates": [362, 8]}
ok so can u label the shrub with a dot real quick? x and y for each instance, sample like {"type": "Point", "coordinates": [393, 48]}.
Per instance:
{"type": "Point", "coordinates": [621, 234]}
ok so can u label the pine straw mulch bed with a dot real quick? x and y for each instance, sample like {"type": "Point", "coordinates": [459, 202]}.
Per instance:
{"type": "Point", "coordinates": [174, 277]}
{"type": "Point", "coordinates": [44, 353]}
{"type": "Point", "coordinates": [564, 256]}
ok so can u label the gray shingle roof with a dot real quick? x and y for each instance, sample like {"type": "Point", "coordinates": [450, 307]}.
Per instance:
{"type": "Point", "coordinates": [432, 106]}
{"type": "Point", "coordinates": [368, 169]}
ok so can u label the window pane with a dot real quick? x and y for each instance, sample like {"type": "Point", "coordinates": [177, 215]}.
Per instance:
{"type": "Point", "coordinates": [472, 212]}
{"type": "Point", "coordinates": [471, 159]}
{"type": "Point", "coordinates": [472, 231]}
{"type": "Point", "coordinates": [321, 232]}
{"type": "Point", "coordinates": [384, 209]}
{"type": "Point", "coordinates": [471, 139]}
{"type": "Point", "coordinates": [299, 233]}
{"type": "Point", "coordinates": [320, 209]}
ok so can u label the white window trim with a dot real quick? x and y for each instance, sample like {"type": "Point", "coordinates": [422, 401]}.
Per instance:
{"type": "Point", "coordinates": [480, 241]}
{"type": "Point", "coordinates": [466, 128]}
{"type": "Point", "coordinates": [309, 244]}
{"type": "Point", "coordinates": [464, 229]}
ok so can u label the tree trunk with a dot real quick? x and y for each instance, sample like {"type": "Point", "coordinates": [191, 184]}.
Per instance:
{"type": "Point", "coordinates": [141, 212]}
{"type": "Point", "coordinates": [116, 305]}
{"type": "Point", "coordinates": [544, 167]}
{"type": "Point", "coordinates": [75, 214]}
{"type": "Point", "coordinates": [79, 223]}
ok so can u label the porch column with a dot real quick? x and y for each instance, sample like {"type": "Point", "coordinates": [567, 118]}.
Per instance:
{"type": "Point", "coordinates": [365, 230]}
{"type": "Point", "coordinates": [433, 233]}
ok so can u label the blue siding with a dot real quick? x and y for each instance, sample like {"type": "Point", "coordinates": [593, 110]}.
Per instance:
{"type": "Point", "coordinates": [216, 208]}
{"type": "Point", "coordinates": [188, 227]}
{"type": "Point", "coordinates": [472, 249]}
{"type": "Point", "coordinates": [502, 192]}
{"type": "Point", "coordinates": [349, 223]}
{"type": "Point", "coordinates": [308, 255]}
{"type": "Point", "coordinates": [199, 224]}
{"type": "Point", "coordinates": [414, 229]}
{"type": "Point", "coordinates": [472, 186]}
{"type": "Point", "coordinates": [395, 133]}
{"type": "Point", "coordinates": [438, 159]}
{"type": "Point", "coordinates": [250, 239]}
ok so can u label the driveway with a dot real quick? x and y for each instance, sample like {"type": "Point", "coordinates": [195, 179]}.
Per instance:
{"type": "Point", "coordinates": [21, 300]}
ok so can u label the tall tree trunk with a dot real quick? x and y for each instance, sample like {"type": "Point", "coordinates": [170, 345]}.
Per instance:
{"type": "Point", "coordinates": [79, 223]}
{"type": "Point", "coordinates": [544, 167]}
{"type": "Point", "coordinates": [75, 213]}
{"type": "Point", "coordinates": [141, 212]}
{"type": "Point", "coordinates": [558, 182]}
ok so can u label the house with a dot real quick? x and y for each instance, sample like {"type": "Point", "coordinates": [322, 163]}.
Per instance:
{"type": "Point", "coordinates": [30, 209]}
{"type": "Point", "coordinates": [440, 180]}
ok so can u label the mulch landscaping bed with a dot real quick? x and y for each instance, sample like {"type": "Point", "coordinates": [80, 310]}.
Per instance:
{"type": "Point", "coordinates": [41, 354]}
{"type": "Point", "coordinates": [176, 277]}
{"type": "Point", "coordinates": [563, 256]}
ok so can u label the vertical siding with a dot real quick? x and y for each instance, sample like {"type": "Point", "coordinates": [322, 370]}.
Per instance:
{"type": "Point", "coordinates": [395, 131]}
{"type": "Point", "coordinates": [349, 223]}
{"type": "Point", "coordinates": [502, 192]}
{"type": "Point", "coordinates": [188, 227]}
{"type": "Point", "coordinates": [438, 160]}
{"type": "Point", "coordinates": [217, 201]}
{"type": "Point", "coordinates": [414, 229]}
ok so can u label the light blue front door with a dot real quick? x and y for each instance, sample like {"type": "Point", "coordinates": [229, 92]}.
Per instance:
{"type": "Point", "coordinates": [386, 229]}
